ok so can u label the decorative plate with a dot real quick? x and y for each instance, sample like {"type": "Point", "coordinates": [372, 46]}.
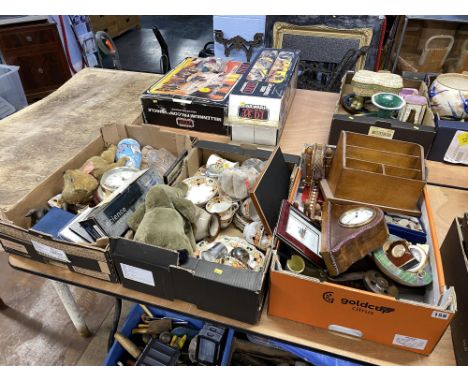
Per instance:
{"type": "Point", "coordinates": [256, 258]}
{"type": "Point", "coordinates": [420, 278]}
{"type": "Point", "coordinates": [200, 189]}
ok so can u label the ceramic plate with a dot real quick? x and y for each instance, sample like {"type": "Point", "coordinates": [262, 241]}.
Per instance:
{"type": "Point", "coordinates": [256, 260]}
{"type": "Point", "coordinates": [219, 204]}
{"type": "Point", "coordinates": [201, 189]}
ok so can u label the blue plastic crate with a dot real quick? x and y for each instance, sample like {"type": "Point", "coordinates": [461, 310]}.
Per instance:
{"type": "Point", "coordinates": [314, 357]}
{"type": "Point", "coordinates": [116, 352]}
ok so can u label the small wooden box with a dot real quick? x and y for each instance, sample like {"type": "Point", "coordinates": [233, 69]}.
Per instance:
{"type": "Point", "coordinates": [389, 174]}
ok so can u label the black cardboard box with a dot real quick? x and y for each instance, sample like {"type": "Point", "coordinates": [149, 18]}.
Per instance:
{"type": "Point", "coordinates": [454, 252]}
{"type": "Point", "coordinates": [193, 96]}
{"type": "Point", "coordinates": [383, 128]}
{"type": "Point", "coordinates": [422, 134]}
{"type": "Point", "coordinates": [448, 132]}
{"type": "Point", "coordinates": [220, 289]}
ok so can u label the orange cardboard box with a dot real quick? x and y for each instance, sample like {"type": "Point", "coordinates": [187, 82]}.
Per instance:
{"type": "Point", "coordinates": [416, 326]}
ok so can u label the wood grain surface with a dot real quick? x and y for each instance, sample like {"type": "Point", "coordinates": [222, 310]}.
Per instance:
{"type": "Point", "coordinates": [38, 132]}
{"type": "Point", "coordinates": [309, 121]}
{"type": "Point", "coordinates": [269, 326]}
{"type": "Point", "coordinates": [37, 140]}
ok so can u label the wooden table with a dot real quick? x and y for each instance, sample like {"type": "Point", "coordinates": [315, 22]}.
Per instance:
{"type": "Point", "coordinates": [308, 122]}
{"type": "Point", "coordinates": [39, 139]}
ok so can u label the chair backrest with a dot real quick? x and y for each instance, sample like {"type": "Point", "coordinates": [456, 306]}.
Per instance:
{"type": "Point", "coordinates": [435, 52]}
{"type": "Point", "coordinates": [462, 63]}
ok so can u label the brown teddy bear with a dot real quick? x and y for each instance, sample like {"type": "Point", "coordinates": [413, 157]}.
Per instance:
{"type": "Point", "coordinates": [79, 185]}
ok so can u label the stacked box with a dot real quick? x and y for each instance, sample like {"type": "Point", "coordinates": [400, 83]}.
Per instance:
{"type": "Point", "coordinates": [260, 102]}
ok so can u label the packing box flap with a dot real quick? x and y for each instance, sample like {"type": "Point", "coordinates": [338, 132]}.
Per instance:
{"type": "Point", "coordinates": [271, 189]}
{"type": "Point", "coordinates": [143, 253]}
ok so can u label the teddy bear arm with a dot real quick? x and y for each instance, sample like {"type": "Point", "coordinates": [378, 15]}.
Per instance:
{"type": "Point", "coordinates": [186, 208]}
{"type": "Point", "coordinates": [135, 220]}
{"type": "Point", "coordinates": [109, 154]}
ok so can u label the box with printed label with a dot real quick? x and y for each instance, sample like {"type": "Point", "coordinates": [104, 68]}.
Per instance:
{"type": "Point", "coordinates": [18, 238]}
{"type": "Point", "coordinates": [194, 95]}
{"type": "Point", "coordinates": [383, 128]}
{"type": "Point", "coordinates": [411, 321]}
{"type": "Point", "coordinates": [212, 286]}
{"type": "Point", "coordinates": [422, 134]}
{"type": "Point", "coordinates": [451, 142]}
{"type": "Point", "coordinates": [260, 102]}
{"type": "Point", "coordinates": [454, 251]}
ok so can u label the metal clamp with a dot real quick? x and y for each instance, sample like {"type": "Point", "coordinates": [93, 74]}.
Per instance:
{"type": "Point", "coordinates": [238, 43]}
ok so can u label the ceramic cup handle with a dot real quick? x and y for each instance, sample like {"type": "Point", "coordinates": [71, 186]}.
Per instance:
{"type": "Point", "coordinates": [235, 206]}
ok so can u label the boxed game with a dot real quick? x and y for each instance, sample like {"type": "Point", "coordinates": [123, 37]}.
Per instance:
{"type": "Point", "coordinates": [259, 103]}
{"type": "Point", "coordinates": [193, 95]}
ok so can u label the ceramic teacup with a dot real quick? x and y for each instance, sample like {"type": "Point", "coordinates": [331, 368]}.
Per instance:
{"type": "Point", "coordinates": [215, 165]}
{"type": "Point", "coordinates": [248, 211]}
{"type": "Point", "coordinates": [255, 235]}
{"type": "Point", "coordinates": [225, 207]}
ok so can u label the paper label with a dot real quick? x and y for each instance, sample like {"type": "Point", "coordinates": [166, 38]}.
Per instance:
{"type": "Point", "coordinates": [440, 315]}
{"type": "Point", "coordinates": [7, 244]}
{"type": "Point", "coordinates": [457, 151]}
{"type": "Point", "coordinates": [463, 139]}
{"type": "Point", "coordinates": [139, 275]}
{"type": "Point", "coordinates": [53, 253]}
{"type": "Point", "coordinates": [409, 342]}
{"type": "Point", "coordinates": [381, 132]}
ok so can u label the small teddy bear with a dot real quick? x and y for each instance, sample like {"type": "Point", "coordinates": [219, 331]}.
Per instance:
{"type": "Point", "coordinates": [165, 219]}
{"type": "Point", "coordinates": [168, 220]}
{"type": "Point", "coordinates": [80, 184]}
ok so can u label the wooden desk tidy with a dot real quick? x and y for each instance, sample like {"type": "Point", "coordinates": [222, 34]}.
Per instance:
{"type": "Point", "coordinates": [385, 173]}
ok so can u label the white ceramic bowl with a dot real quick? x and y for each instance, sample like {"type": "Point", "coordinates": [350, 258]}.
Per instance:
{"type": "Point", "coordinates": [449, 95]}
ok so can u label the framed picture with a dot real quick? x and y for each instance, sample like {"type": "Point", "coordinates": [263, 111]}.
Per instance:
{"type": "Point", "coordinates": [296, 230]}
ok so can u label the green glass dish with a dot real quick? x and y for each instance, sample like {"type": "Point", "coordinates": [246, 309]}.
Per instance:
{"type": "Point", "coordinates": [387, 103]}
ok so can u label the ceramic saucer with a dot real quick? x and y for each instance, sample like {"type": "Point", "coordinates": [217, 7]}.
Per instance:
{"type": "Point", "coordinates": [200, 189]}
{"type": "Point", "coordinates": [256, 258]}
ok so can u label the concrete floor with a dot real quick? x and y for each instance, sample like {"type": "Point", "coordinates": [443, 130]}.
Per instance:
{"type": "Point", "coordinates": [185, 36]}
{"type": "Point", "coordinates": [35, 328]}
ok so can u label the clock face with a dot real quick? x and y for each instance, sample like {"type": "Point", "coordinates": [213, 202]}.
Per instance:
{"type": "Point", "coordinates": [357, 217]}
{"type": "Point", "coordinates": [116, 177]}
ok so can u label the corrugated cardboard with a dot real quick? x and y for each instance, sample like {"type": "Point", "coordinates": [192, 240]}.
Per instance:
{"type": "Point", "coordinates": [455, 258]}
{"type": "Point", "coordinates": [217, 288]}
{"type": "Point", "coordinates": [393, 129]}
{"type": "Point", "coordinates": [408, 325]}
{"type": "Point", "coordinates": [17, 237]}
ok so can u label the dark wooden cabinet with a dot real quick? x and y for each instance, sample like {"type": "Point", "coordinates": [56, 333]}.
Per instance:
{"type": "Point", "coordinates": [37, 49]}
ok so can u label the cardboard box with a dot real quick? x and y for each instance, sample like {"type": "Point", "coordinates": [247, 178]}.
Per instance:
{"type": "Point", "coordinates": [422, 134]}
{"type": "Point", "coordinates": [193, 96]}
{"type": "Point", "coordinates": [454, 251]}
{"type": "Point", "coordinates": [216, 288]}
{"type": "Point", "coordinates": [411, 325]}
{"type": "Point", "coordinates": [448, 132]}
{"type": "Point", "coordinates": [260, 102]}
{"type": "Point", "coordinates": [17, 238]}
{"type": "Point", "coordinates": [383, 128]}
